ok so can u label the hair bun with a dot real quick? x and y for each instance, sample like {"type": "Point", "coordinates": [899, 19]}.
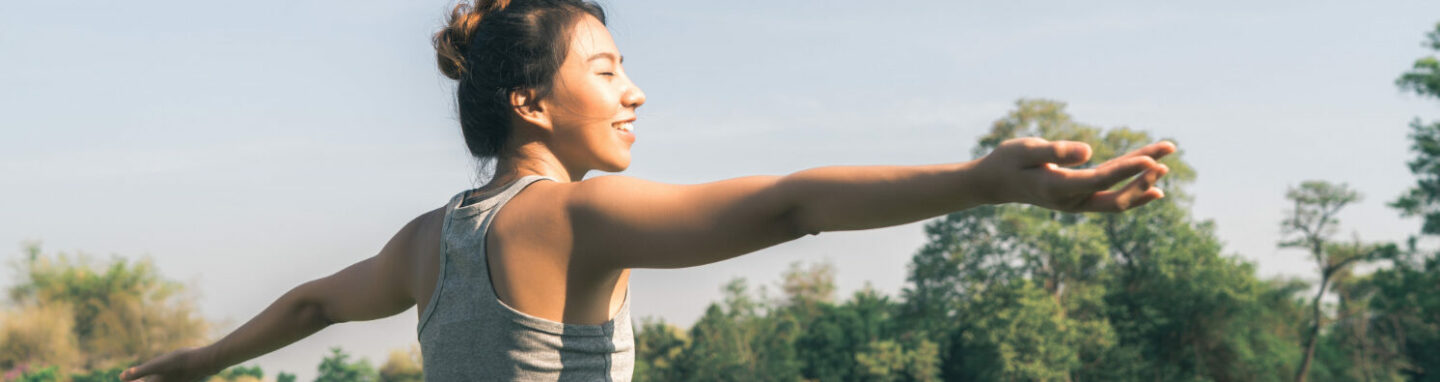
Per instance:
{"type": "Point", "coordinates": [452, 41]}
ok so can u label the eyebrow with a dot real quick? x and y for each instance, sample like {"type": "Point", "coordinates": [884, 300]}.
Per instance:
{"type": "Point", "coordinates": [609, 55]}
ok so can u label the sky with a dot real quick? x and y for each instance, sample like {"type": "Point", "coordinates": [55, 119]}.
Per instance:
{"type": "Point", "coordinates": [248, 147]}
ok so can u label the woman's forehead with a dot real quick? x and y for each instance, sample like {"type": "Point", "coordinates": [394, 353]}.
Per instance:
{"type": "Point", "coordinates": [590, 38]}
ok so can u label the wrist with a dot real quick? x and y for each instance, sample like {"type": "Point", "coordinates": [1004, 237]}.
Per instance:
{"type": "Point", "coordinates": [207, 360]}
{"type": "Point", "coordinates": [991, 186]}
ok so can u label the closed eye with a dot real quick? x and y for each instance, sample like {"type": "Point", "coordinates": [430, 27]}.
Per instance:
{"type": "Point", "coordinates": [607, 73]}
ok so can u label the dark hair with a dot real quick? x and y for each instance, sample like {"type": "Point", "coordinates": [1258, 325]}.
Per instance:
{"type": "Point", "coordinates": [496, 47]}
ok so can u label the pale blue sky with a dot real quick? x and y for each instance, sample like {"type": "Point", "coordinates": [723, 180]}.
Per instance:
{"type": "Point", "coordinates": [251, 146]}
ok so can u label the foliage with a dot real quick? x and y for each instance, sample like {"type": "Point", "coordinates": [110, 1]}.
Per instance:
{"type": "Point", "coordinates": [117, 312]}
{"type": "Point", "coordinates": [1424, 198]}
{"type": "Point", "coordinates": [336, 368]}
{"type": "Point", "coordinates": [1310, 226]}
{"type": "Point", "coordinates": [657, 346]}
{"type": "Point", "coordinates": [1011, 292]}
{"type": "Point", "coordinates": [39, 334]}
{"type": "Point", "coordinates": [403, 366]}
{"type": "Point", "coordinates": [1405, 307]}
{"type": "Point", "coordinates": [47, 374]}
{"type": "Point", "coordinates": [1406, 313]}
{"type": "Point", "coordinates": [101, 375]}
{"type": "Point", "coordinates": [239, 373]}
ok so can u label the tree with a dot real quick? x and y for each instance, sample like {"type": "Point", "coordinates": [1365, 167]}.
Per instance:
{"type": "Point", "coordinates": [887, 360]}
{"type": "Point", "coordinates": [1013, 331]}
{"type": "Point", "coordinates": [1406, 309]}
{"type": "Point", "coordinates": [238, 372]}
{"type": "Point", "coordinates": [1406, 304]}
{"type": "Point", "coordinates": [1004, 251]}
{"type": "Point", "coordinates": [48, 374]}
{"type": "Point", "coordinates": [657, 346]}
{"type": "Point", "coordinates": [1144, 295]}
{"type": "Point", "coordinates": [403, 366]}
{"type": "Point", "coordinates": [1423, 199]}
{"type": "Point", "coordinates": [1313, 222]}
{"type": "Point", "coordinates": [80, 315]}
{"type": "Point", "coordinates": [1310, 226]}
{"type": "Point", "coordinates": [336, 368]}
{"type": "Point", "coordinates": [724, 342]}
{"type": "Point", "coordinates": [805, 289]}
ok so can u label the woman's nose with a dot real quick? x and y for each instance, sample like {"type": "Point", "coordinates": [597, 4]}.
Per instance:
{"type": "Point", "coordinates": [634, 97]}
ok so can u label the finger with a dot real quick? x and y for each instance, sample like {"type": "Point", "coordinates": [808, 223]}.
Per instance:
{"type": "Point", "coordinates": [1038, 152]}
{"type": "Point", "coordinates": [1115, 171]}
{"type": "Point", "coordinates": [1137, 193]}
{"type": "Point", "coordinates": [1116, 201]}
{"type": "Point", "coordinates": [1155, 150]}
{"type": "Point", "coordinates": [135, 373]}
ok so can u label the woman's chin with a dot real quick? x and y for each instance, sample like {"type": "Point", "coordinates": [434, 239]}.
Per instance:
{"type": "Point", "coordinates": [617, 166]}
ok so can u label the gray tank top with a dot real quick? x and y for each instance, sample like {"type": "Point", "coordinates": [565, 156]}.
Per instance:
{"type": "Point", "coordinates": [468, 334]}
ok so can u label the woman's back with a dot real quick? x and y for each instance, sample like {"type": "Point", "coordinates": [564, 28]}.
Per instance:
{"type": "Point", "coordinates": [467, 332]}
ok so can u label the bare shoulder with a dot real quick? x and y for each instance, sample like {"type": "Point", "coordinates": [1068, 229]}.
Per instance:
{"type": "Point", "coordinates": [418, 247]}
{"type": "Point", "coordinates": [422, 231]}
{"type": "Point", "coordinates": [542, 220]}
{"type": "Point", "coordinates": [602, 190]}
{"type": "Point", "coordinates": [627, 222]}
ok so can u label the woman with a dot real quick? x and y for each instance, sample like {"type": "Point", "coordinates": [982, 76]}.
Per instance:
{"type": "Point", "coordinates": [537, 290]}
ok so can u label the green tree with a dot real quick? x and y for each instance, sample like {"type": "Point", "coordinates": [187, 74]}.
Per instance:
{"type": "Point", "coordinates": [1354, 347]}
{"type": "Point", "coordinates": [890, 361]}
{"type": "Point", "coordinates": [237, 372]}
{"type": "Point", "coordinates": [1423, 199]}
{"type": "Point", "coordinates": [47, 374]}
{"type": "Point", "coordinates": [1311, 226]}
{"type": "Point", "coordinates": [1013, 331]}
{"type": "Point", "coordinates": [836, 337]}
{"type": "Point", "coordinates": [1407, 300]}
{"type": "Point", "coordinates": [337, 368]}
{"type": "Point", "coordinates": [806, 288]}
{"type": "Point", "coordinates": [81, 315]}
{"type": "Point", "coordinates": [737, 341]}
{"type": "Point", "coordinates": [657, 346]}
{"type": "Point", "coordinates": [1006, 250]}
{"type": "Point", "coordinates": [284, 377]}
{"type": "Point", "coordinates": [1144, 295]}
{"type": "Point", "coordinates": [1406, 309]}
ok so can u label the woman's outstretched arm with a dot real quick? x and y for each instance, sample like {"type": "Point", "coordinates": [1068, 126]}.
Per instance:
{"type": "Point", "coordinates": [373, 288]}
{"type": "Point", "coordinates": [621, 222]}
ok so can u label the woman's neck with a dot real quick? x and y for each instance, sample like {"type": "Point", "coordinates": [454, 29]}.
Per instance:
{"type": "Point", "coordinates": [510, 168]}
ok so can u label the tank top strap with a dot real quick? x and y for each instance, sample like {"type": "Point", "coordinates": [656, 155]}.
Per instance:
{"type": "Point", "coordinates": [491, 202]}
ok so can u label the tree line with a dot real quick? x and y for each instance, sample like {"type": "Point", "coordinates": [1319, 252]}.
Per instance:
{"type": "Point", "coordinates": [1004, 292]}
{"type": "Point", "coordinates": [1020, 293]}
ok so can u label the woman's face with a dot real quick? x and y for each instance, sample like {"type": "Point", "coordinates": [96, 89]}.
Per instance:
{"type": "Point", "coordinates": [593, 103]}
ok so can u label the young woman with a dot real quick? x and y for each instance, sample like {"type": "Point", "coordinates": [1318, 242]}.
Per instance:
{"type": "Point", "coordinates": [537, 290]}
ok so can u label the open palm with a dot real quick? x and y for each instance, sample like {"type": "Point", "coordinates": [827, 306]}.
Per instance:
{"type": "Point", "coordinates": [1033, 171]}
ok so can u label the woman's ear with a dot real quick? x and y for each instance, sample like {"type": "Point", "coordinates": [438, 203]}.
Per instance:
{"type": "Point", "coordinates": [528, 108]}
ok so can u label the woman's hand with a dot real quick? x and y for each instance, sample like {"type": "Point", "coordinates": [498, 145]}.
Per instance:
{"type": "Point", "coordinates": [1032, 171]}
{"type": "Point", "coordinates": [180, 365]}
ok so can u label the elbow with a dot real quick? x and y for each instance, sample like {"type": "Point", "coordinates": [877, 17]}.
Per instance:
{"type": "Point", "coordinates": [315, 314]}
{"type": "Point", "coordinates": [798, 222]}
{"type": "Point", "coordinates": [309, 308]}
{"type": "Point", "coordinates": [798, 215]}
